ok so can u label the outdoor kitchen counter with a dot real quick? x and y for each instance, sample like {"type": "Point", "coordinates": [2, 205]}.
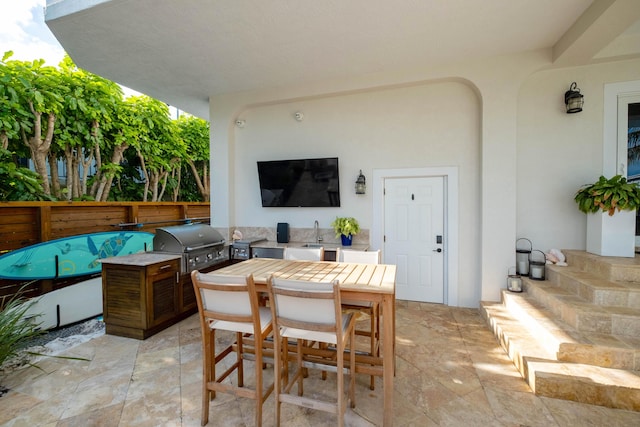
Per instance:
{"type": "Point", "coordinates": [140, 259]}
{"type": "Point", "coordinates": [140, 294]}
{"type": "Point", "coordinates": [327, 246]}
{"type": "Point", "coordinates": [271, 249]}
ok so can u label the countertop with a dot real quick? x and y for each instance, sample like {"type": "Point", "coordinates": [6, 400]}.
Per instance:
{"type": "Point", "coordinates": [141, 259]}
{"type": "Point", "coordinates": [328, 247]}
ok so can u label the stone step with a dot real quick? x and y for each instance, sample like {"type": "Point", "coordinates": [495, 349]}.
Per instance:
{"type": "Point", "coordinates": [561, 341]}
{"type": "Point", "coordinates": [608, 268]}
{"type": "Point", "coordinates": [581, 314]}
{"type": "Point", "coordinates": [595, 289]}
{"type": "Point", "coordinates": [524, 337]}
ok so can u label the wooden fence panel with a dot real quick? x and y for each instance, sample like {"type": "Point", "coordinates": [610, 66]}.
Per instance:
{"type": "Point", "coordinates": [18, 227]}
{"type": "Point", "coordinates": [24, 224]}
{"type": "Point", "coordinates": [71, 220]}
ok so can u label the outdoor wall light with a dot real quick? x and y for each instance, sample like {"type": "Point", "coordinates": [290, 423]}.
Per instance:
{"type": "Point", "coordinates": [361, 184]}
{"type": "Point", "coordinates": [573, 99]}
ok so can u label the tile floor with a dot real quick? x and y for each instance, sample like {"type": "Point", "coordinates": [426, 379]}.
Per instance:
{"type": "Point", "coordinates": [450, 372]}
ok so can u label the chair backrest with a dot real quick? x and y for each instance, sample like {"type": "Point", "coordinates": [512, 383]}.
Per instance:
{"type": "Point", "coordinates": [360, 257]}
{"type": "Point", "coordinates": [223, 297]}
{"type": "Point", "coordinates": [304, 254]}
{"type": "Point", "coordinates": [312, 306]}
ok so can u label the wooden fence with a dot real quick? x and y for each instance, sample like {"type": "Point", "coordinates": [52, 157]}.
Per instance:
{"type": "Point", "coordinates": [27, 223]}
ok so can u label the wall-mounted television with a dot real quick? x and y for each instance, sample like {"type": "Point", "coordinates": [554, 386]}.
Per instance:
{"type": "Point", "coordinates": [299, 183]}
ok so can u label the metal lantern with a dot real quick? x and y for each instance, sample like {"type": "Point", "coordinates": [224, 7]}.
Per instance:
{"type": "Point", "coordinates": [522, 257]}
{"type": "Point", "coordinates": [537, 266]}
{"type": "Point", "coordinates": [514, 281]}
{"type": "Point", "coordinates": [573, 99]}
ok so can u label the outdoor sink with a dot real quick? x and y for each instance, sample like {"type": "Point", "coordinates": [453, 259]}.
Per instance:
{"type": "Point", "coordinates": [312, 245]}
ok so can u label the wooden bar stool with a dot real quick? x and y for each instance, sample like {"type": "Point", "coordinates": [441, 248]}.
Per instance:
{"type": "Point", "coordinates": [230, 303]}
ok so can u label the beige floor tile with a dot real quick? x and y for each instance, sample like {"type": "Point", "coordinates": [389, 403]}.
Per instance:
{"type": "Point", "coordinates": [450, 371]}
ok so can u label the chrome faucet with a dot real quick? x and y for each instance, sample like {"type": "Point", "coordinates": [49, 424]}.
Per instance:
{"type": "Point", "coordinates": [316, 229]}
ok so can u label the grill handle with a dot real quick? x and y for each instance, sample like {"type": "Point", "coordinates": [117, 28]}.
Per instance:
{"type": "Point", "coordinates": [189, 248]}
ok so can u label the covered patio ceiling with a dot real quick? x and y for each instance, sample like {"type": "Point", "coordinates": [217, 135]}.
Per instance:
{"type": "Point", "coordinates": [184, 52]}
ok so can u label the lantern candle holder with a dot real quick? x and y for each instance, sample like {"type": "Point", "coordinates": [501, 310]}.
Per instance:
{"type": "Point", "coordinates": [514, 281]}
{"type": "Point", "coordinates": [537, 266]}
{"type": "Point", "coordinates": [522, 256]}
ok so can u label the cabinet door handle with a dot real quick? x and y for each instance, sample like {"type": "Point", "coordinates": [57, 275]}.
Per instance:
{"type": "Point", "coordinates": [164, 267]}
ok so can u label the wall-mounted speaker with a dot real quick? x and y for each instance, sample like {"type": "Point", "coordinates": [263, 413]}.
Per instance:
{"type": "Point", "coordinates": [282, 232]}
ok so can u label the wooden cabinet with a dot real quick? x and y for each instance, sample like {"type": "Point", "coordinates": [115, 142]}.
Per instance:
{"type": "Point", "coordinates": [142, 294]}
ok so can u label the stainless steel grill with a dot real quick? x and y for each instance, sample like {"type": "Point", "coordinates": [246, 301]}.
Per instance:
{"type": "Point", "coordinates": [199, 245]}
{"type": "Point", "coordinates": [241, 249]}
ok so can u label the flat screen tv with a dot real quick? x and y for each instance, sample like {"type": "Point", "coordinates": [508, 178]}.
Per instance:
{"type": "Point", "coordinates": [299, 183]}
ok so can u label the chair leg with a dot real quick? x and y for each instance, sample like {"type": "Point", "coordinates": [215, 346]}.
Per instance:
{"type": "Point", "coordinates": [280, 355]}
{"type": "Point", "coordinates": [340, 380]}
{"type": "Point", "coordinates": [300, 377]}
{"type": "Point", "coordinates": [239, 352]}
{"type": "Point", "coordinates": [374, 341]}
{"type": "Point", "coordinates": [258, 374]}
{"type": "Point", "coordinates": [208, 374]}
{"type": "Point", "coordinates": [352, 368]}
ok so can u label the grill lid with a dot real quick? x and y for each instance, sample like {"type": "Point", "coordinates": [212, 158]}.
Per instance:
{"type": "Point", "coordinates": [186, 238]}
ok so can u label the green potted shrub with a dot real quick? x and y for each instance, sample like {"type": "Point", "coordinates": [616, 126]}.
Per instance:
{"type": "Point", "coordinates": [610, 205]}
{"type": "Point", "coordinates": [346, 228]}
{"type": "Point", "coordinates": [608, 195]}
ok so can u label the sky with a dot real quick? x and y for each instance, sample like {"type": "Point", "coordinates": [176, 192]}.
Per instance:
{"type": "Point", "coordinates": [24, 32]}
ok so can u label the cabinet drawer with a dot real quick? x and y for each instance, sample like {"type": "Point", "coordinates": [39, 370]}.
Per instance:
{"type": "Point", "coordinates": [267, 253]}
{"type": "Point", "coordinates": [163, 267]}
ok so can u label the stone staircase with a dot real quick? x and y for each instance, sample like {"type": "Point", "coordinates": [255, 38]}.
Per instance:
{"type": "Point", "coordinates": [576, 335]}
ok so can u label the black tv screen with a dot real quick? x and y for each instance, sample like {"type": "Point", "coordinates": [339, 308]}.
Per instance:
{"type": "Point", "coordinates": [299, 183]}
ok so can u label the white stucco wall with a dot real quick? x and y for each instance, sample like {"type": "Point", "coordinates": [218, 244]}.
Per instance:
{"type": "Point", "coordinates": [559, 152]}
{"type": "Point", "coordinates": [427, 125]}
{"type": "Point", "coordinates": [530, 156]}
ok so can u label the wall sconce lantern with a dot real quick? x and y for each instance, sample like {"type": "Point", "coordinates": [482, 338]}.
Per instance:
{"type": "Point", "coordinates": [522, 258]}
{"type": "Point", "coordinates": [537, 267]}
{"type": "Point", "coordinates": [361, 184]}
{"type": "Point", "coordinates": [514, 281]}
{"type": "Point", "coordinates": [573, 99]}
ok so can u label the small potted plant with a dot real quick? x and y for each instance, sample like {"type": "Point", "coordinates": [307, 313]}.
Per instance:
{"type": "Point", "coordinates": [346, 228]}
{"type": "Point", "coordinates": [609, 234]}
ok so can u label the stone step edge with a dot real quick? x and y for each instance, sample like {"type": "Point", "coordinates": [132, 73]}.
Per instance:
{"type": "Point", "coordinates": [510, 336]}
{"type": "Point", "coordinates": [531, 364]}
{"type": "Point", "coordinates": [610, 268]}
{"type": "Point", "coordinates": [586, 309]}
{"type": "Point", "coordinates": [594, 385]}
{"type": "Point", "coordinates": [573, 276]}
{"type": "Point", "coordinates": [562, 342]}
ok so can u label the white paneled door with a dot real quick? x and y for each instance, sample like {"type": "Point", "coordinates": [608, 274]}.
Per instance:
{"type": "Point", "coordinates": [414, 236]}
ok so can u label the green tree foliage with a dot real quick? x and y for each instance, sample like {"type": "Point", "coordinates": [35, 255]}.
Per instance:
{"type": "Point", "coordinates": [113, 148]}
{"type": "Point", "coordinates": [36, 88]}
{"type": "Point", "coordinates": [18, 183]}
{"type": "Point", "coordinates": [159, 147]}
{"type": "Point", "coordinates": [195, 134]}
{"type": "Point", "coordinates": [89, 107]}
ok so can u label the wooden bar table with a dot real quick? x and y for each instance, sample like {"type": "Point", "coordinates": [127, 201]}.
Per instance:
{"type": "Point", "coordinates": [361, 282]}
